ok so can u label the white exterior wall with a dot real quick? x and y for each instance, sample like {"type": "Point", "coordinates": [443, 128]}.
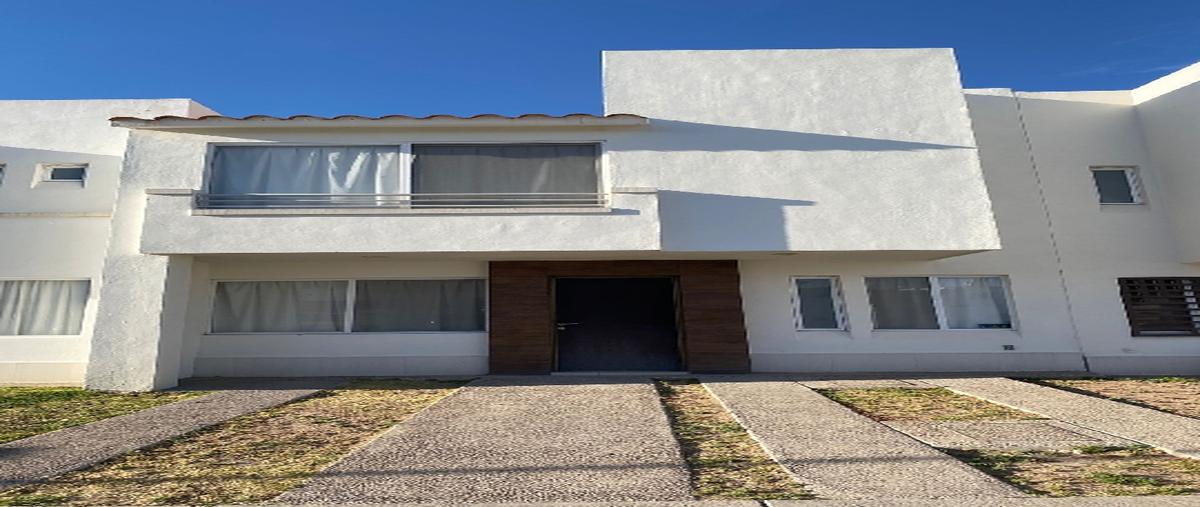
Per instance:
{"type": "Point", "coordinates": [1169, 111]}
{"type": "Point", "coordinates": [1043, 337]}
{"type": "Point", "coordinates": [812, 150]}
{"type": "Point", "coordinates": [58, 230]}
{"type": "Point", "coordinates": [1070, 132]}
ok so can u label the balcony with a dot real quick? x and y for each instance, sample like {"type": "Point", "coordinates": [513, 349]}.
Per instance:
{"type": "Point", "coordinates": [189, 222]}
{"type": "Point", "coordinates": [266, 203]}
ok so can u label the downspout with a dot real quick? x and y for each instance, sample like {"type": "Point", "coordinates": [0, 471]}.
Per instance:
{"type": "Point", "coordinates": [1062, 276]}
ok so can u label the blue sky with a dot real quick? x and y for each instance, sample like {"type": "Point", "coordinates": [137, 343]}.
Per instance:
{"type": "Point", "coordinates": [333, 57]}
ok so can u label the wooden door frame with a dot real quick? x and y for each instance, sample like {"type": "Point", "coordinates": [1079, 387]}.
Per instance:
{"type": "Point", "coordinates": [711, 322]}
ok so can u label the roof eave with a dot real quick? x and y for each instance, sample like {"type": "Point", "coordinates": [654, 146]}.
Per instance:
{"type": "Point", "coordinates": [433, 122]}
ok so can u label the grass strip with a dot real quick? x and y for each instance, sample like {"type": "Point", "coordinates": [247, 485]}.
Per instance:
{"type": "Point", "coordinates": [248, 459]}
{"type": "Point", "coordinates": [29, 411]}
{"type": "Point", "coordinates": [1089, 471]}
{"type": "Point", "coordinates": [922, 404]}
{"type": "Point", "coordinates": [725, 462]}
{"type": "Point", "coordinates": [1175, 395]}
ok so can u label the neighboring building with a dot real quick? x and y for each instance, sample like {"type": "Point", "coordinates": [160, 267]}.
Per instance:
{"type": "Point", "coordinates": [771, 211]}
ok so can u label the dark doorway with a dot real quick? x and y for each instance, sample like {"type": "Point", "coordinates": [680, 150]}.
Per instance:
{"type": "Point", "coordinates": [616, 324]}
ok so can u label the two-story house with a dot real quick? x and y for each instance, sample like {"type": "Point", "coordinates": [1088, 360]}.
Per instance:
{"type": "Point", "coordinates": [733, 211]}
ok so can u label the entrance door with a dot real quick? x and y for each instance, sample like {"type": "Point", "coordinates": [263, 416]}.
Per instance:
{"type": "Point", "coordinates": [616, 324]}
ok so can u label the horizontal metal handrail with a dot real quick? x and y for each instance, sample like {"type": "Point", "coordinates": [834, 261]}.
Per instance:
{"type": "Point", "coordinates": [423, 200]}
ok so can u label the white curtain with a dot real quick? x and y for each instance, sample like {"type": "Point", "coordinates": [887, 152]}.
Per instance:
{"type": "Point", "coordinates": [42, 307]}
{"type": "Point", "coordinates": [419, 305]}
{"type": "Point", "coordinates": [975, 302]}
{"type": "Point", "coordinates": [305, 170]}
{"type": "Point", "coordinates": [901, 303]}
{"type": "Point", "coordinates": [279, 307]}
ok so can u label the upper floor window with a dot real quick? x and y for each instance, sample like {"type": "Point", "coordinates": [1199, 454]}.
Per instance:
{"type": "Point", "coordinates": [1162, 306]}
{"type": "Point", "coordinates": [42, 307]}
{"type": "Point", "coordinates": [1117, 185]}
{"type": "Point", "coordinates": [428, 175]}
{"type": "Point", "coordinates": [486, 174]}
{"type": "Point", "coordinates": [940, 302]}
{"type": "Point", "coordinates": [63, 172]}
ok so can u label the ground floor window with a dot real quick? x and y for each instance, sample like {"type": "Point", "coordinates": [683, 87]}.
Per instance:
{"type": "Point", "coordinates": [419, 305]}
{"type": "Point", "coordinates": [1161, 306]}
{"type": "Point", "coordinates": [42, 307]}
{"type": "Point", "coordinates": [940, 302]}
{"type": "Point", "coordinates": [339, 306]}
{"type": "Point", "coordinates": [818, 301]}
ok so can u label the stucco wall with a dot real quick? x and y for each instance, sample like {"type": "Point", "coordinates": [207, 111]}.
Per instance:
{"type": "Point", "coordinates": [802, 150]}
{"type": "Point", "coordinates": [1070, 132]}
{"type": "Point", "coordinates": [1043, 338]}
{"type": "Point", "coordinates": [1169, 112]}
{"type": "Point", "coordinates": [324, 354]}
{"type": "Point", "coordinates": [59, 230]}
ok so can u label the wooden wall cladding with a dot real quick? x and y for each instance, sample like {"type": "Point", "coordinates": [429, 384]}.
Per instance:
{"type": "Point", "coordinates": [521, 318]}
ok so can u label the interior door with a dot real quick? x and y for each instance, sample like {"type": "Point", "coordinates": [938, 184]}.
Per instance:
{"type": "Point", "coordinates": [616, 324]}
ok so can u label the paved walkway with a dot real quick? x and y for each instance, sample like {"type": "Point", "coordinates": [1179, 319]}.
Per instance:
{"type": "Point", "coordinates": [517, 439]}
{"type": "Point", "coordinates": [839, 454]}
{"type": "Point", "coordinates": [1172, 433]}
{"type": "Point", "coordinates": [50, 454]}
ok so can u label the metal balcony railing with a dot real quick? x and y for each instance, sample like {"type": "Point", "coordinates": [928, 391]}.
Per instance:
{"type": "Point", "coordinates": [465, 201]}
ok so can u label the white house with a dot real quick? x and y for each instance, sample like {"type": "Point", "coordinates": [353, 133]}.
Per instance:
{"type": "Point", "coordinates": [733, 211]}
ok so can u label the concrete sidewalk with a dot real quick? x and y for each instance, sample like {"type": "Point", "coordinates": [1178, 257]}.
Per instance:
{"type": "Point", "coordinates": [518, 439]}
{"type": "Point", "coordinates": [50, 454]}
{"type": "Point", "coordinates": [839, 454]}
{"type": "Point", "coordinates": [1175, 434]}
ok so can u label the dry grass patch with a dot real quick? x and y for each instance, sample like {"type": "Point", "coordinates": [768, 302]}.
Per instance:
{"type": "Point", "coordinates": [29, 411]}
{"type": "Point", "coordinates": [1177, 395]}
{"type": "Point", "coordinates": [725, 461]}
{"type": "Point", "coordinates": [921, 404]}
{"type": "Point", "coordinates": [247, 459]}
{"type": "Point", "coordinates": [1090, 471]}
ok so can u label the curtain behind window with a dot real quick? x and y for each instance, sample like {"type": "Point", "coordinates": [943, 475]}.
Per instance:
{"type": "Point", "coordinates": [42, 307]}
{"type": "Point", "coordinates": [305, 170]}
{"type": "Point", "coordinates": [506, 169]}
{"type": "Point", "coordinates": [419, 305]}
{"type": "Point", "coordinates": [284, 307]}
{"type": "Point", "coordinates": [975, 302]}
{"type": "Point", "coordinates": [901, 303]}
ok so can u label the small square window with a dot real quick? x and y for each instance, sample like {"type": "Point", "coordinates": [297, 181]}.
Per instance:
{"type": "Point", "coordinates": [1117, 185]}
{"type": "Point", "coordinates": [1, 174]}
{"type": "Point", "coordinates": [818, 303]}
{"type": "Point", "coordinates": [64, 172]}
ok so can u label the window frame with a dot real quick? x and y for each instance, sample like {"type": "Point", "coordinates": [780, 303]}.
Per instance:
{"type": "Point", "coordinates": [1132, 178]}
{"type": "Point", "coordinates": [839, 303]}
{"type": "Point", "coordinates": [939, 311]}
{"type": "Point", "coordinates": [407, 159]}
{"type": "Point", "coordinates": [351, 294]}
{"type": "Point", "coordinates": [45, 171]}
{"type": "Point", "coordinates": [88, 305]}
{"type": "Point", "coordinates": [1192, 302]}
